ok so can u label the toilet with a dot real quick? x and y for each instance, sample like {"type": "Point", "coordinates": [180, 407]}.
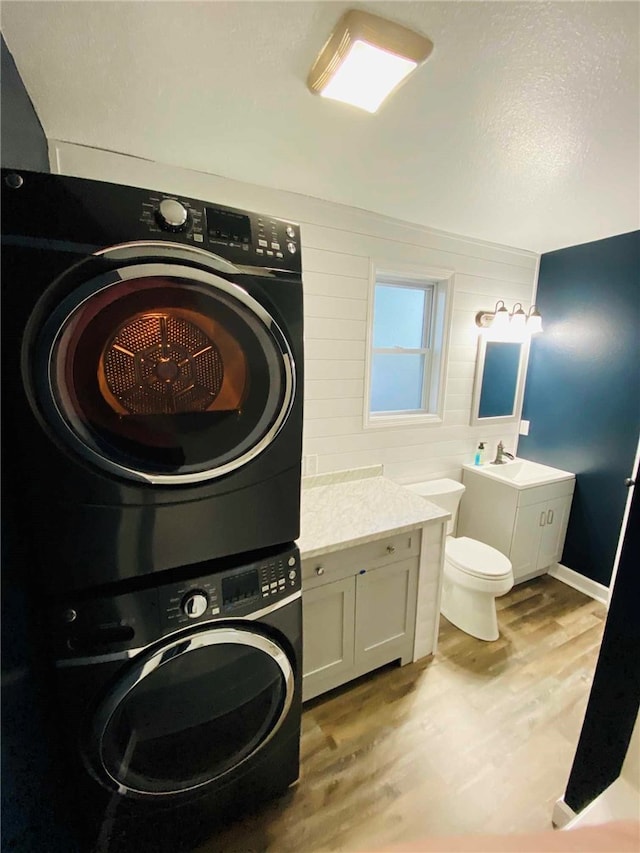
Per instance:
{"type": "Point", "coordinates": [474, 573]}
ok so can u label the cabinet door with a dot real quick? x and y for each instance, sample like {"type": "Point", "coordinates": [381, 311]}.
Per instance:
{"type": "Point", "coordinates": [385, 614]}
{"type": "Point", "coordinates": [525, 543]}
{"type": "Point", "coordinates": [328, 615]}
{"type": "Point", "coordinates": [554, 531]}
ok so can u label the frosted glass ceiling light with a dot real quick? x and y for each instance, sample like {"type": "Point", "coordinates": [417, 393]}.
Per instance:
{"type": "Point", "coordinates": [365, 59]}
{"type": "Point", "coordinates": [366, 76]}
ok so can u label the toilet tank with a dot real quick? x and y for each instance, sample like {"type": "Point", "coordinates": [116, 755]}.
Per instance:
{"type": "Point", "coordinates": [445, 493]}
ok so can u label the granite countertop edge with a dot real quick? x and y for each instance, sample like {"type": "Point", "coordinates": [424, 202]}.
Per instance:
{"type": "Point", "coordinates": [351, 511]}
{"type": "Point", "coordinates": [309, 553]}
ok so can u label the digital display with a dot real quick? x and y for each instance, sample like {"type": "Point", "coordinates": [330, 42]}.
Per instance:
{"type": "Point", "coordinates": [227, 226]}
{"type": "Point", "coordinates": [240, 587]}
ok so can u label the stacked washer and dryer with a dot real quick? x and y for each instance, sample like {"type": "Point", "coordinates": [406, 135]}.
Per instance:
{"type": "Point", "coordinates": [152, 386]}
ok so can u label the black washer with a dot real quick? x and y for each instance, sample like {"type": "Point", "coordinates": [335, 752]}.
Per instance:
{"type": "Point", "coordinates": [178, 699]}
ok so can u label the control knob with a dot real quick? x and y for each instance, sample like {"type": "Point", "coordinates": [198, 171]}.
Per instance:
{"type": "Point", "coordinates": [291, 232]}
{"type": "Point", "coordinates": [172, 215]}
{"type": "Point", "coordinates": [292, 247]}
{"type": "Point", "coordinates": [195, 604]}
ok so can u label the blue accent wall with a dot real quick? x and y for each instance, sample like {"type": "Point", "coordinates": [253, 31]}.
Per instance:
{"type": "Point", "coordinates": [582, 395]}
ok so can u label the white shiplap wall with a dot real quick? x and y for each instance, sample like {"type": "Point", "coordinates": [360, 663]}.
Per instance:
{"type": "Point", "coordinates": [339, 245]}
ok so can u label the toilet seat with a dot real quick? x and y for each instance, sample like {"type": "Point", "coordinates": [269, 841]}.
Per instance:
{"type": "Point", "coordinates": [477, 559]}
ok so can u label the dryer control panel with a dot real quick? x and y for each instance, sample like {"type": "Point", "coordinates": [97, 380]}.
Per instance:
{"type": "Point", "coordinates": [99, 214]}
{"type": "Point", "coordinates": [239, 236]}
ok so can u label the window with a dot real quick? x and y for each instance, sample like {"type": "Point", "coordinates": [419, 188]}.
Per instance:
{"type": "Point", "coordinates": [407, 338]}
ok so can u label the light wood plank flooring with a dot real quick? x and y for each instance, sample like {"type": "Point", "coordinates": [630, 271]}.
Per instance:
{"type": "Point", "coordinates": [478, 739]}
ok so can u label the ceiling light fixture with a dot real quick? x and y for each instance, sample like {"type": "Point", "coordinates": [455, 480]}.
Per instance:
{"type": "Point", "coordinates": [365, 58]}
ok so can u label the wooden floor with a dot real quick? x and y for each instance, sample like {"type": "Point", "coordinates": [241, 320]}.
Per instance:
{"type": "Point", "coordinates": [478, 739]}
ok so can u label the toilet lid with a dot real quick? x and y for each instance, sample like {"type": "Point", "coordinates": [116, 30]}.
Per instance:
{"type": "Point", "coordinates": [477, 559]}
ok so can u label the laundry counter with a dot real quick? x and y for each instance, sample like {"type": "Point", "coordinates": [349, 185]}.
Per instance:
{"type": "Point", "coordinates": [372, 556]}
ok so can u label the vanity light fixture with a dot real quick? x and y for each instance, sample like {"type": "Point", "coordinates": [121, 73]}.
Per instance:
{"type": "Point", "coordinates": [518, 318]}
{"type": "Point", "coordinates": [500, 317]}
{"type": "Point", "coordinates": [534, 321]}
{"type": "Point", "coordinates": [365, 58]}
{"type": "Point", "coordinates": [516, 324]}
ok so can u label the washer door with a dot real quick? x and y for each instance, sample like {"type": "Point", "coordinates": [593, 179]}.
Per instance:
{"type": "Point", "coordinates": [190, 712]}
{"type": "Point", "coordinates": [164, 372]}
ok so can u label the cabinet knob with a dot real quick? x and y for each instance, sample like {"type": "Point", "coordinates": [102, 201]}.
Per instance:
{"type": "Point", "coordinates": [391, 549]}
{"type": "Point", "coordinates": [319, 570]}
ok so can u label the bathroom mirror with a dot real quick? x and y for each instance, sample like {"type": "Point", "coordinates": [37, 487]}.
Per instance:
{"type": "Point", "coordinates": [499, 381]}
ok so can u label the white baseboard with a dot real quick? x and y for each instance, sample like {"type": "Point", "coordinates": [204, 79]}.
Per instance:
{"type": "Point", "coordinates": [562, 814]}
{"type": "Point", "coordinates": [593, 589]}
{"type": "Point", "coordinates": [620, 801]}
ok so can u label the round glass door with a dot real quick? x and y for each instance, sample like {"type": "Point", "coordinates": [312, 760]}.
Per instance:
{"type": "Point", "coordinates": [191, 712]}
{"type": "Point", "coordinates": [165, 373]}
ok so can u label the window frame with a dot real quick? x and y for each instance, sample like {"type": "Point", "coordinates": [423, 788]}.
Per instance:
{"type": "Point", "coordinates": [436, 338]}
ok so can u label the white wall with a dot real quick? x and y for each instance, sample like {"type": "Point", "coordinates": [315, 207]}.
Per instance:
{"type": "Point", "coordinates": [339, 244]}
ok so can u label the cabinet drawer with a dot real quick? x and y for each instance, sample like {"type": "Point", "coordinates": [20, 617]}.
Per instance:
{"type": "Point", "coordinates": [349, 561]}
{"type": "Point", "coordinates": [549, 492]}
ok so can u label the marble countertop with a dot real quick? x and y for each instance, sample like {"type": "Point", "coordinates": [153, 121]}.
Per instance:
{"type": "Point", "coordinates": [352, 507]}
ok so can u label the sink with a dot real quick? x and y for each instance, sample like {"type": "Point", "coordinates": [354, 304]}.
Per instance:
{"type": "Point", "coordinates": [522, 473]}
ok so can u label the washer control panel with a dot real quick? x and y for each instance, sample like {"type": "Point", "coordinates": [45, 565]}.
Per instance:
{"type": "Point", "coordinates": [278, 576]}
{"type": "Point", "coordinates": [232, 593]}
{"type": "Point", "coordinates": [195, 604]}
{"type": "Point", "coordinates": [111, 623]}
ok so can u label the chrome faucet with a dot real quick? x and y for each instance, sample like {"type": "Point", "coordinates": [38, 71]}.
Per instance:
{"type": "Point", "coordinates": [500, 453]}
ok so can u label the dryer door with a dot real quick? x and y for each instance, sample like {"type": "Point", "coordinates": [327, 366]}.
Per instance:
{"type": "Point", "coordinates": [190, 712]}
{"type": "Point", "coordinates": [163, 372]}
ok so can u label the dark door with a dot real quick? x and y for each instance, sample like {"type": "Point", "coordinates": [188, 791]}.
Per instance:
{"type": "Point", "coordinates": [190, 712]}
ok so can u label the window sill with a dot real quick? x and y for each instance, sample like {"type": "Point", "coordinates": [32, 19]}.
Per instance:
{"type": "Point", "coordinates": [401, 420]}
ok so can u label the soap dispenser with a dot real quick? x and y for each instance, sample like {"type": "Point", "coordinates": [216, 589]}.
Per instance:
{"type": "Point", "coordinates": [479, 454]}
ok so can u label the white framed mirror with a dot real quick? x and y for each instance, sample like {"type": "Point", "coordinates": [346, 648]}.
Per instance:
{"type": "Point", "coordinates": [499, 380]}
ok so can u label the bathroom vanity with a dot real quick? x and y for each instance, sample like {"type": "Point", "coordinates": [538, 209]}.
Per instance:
{"type": "Point", "coordinates": [522, 509]}
{"type": "Point", "coordinates": [372, 556]}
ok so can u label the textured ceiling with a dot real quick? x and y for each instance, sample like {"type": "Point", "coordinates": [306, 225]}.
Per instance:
{"type": "Point", "coordinates": [522, 128]}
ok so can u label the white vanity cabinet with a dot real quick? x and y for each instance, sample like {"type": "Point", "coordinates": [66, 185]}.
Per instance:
{"type": "Point", "coordinates": [528, 525]}
{"type": "Point", "coordinates": [538, 535]}
{"type": "Point", "coordinates": [358, 610]}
